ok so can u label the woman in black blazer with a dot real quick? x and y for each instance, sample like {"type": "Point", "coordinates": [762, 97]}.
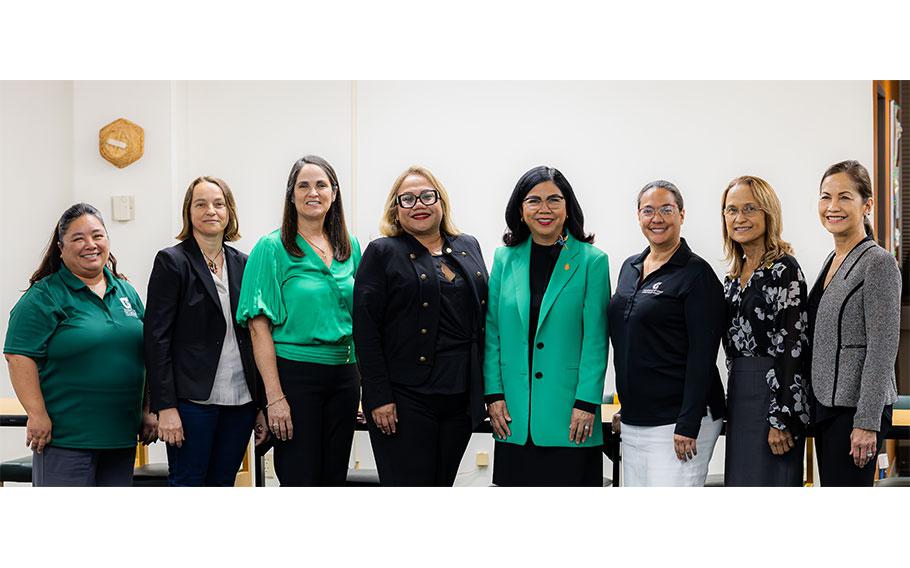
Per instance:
{"type": "Point", "coordinates": [199, 362]}
{"type": "Point", "coordinates": [419, 309]}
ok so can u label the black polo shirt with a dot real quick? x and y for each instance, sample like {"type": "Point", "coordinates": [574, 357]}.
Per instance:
{"type": "Point", "coordinates": [666, 331]}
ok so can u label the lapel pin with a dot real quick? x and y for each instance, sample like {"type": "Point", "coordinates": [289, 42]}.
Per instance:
{"type": "Point", "coordinates": [566, 266]}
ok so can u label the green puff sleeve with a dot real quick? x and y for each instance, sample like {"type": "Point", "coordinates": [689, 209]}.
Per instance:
{"type": "Point", "coordinates": [260, 292]}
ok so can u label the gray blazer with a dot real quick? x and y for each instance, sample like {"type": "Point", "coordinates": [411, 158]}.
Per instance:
{"type": "Point", "coordinates": [855, 337]}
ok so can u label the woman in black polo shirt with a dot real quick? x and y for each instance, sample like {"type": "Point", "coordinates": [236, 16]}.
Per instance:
{"type": "Point", "coordinates": [666, 319]}
{"type": "Point", "coordinates": [74, 348]}
{"type": "Point", "coordinates": [419, 302]}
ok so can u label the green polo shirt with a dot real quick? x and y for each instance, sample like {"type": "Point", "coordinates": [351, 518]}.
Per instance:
{"type": "Point", "coordinates": [89, 357]}
{"type": "Point", "coordinates": [308, 303]}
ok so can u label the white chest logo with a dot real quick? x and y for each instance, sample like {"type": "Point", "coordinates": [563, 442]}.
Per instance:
{"type": "Point", "coordinates": [128, 310]}
{"type": "Point", "coordinates": [654, 290]}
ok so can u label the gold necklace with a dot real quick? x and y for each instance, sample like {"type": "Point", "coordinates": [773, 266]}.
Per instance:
{"type": "Point", "coordinates": [322, 253]}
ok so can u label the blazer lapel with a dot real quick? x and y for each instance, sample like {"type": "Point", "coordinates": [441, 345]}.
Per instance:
{"type": "Point", "coordinates": [562, 273]}
{"type": "Point", "coordinates": [461, 256]}
{"type": "Point", "coordinates": [521, 266]}
{"type": "Point", "coordinates": [199, 266]}
{"type": "Point", "coordinates": [235, 276]}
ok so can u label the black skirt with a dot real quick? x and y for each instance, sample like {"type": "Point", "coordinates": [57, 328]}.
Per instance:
{"type": "Point", "coordinates": [748, 460]}
{"type": "Point", "coordinates": [539, 466]}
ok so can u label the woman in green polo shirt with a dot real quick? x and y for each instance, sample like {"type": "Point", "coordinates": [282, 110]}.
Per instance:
{"type": "Point", "coordinates": [74, 348]}
{"type": "Point", "coordinates": [296, 298]}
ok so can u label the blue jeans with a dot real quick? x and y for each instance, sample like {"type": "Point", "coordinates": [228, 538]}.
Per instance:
{"type": "Point", "coordinates": [215, 438]}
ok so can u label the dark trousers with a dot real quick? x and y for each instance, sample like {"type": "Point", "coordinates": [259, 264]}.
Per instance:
{"type": "Point", "coordinates": [323, 401]}
{"type": "Point", "coordinates": [69, 467]}
{"type": "Point", "coordinates": [832, 440]}
{"type": "Point", "coordinates": [433, 433]}
{"type": "Point", "coordinates": [215, 438]}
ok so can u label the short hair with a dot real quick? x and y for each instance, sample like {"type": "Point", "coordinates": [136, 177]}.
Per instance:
{"type": "Point", "coordinates": [775, 246]}
{"type": "Point", "coordinates": [663, 184]}
{"type": "Point", "coordinates": [859, 175]}
{"type": "Point", "coordinates": [519, 232]}
{"type": "Point", "coordinates": [232, 231]}
{"type": "Point", "coordinates": [334, 225]}
{"type": "Point", "coordinates": [389, 225]}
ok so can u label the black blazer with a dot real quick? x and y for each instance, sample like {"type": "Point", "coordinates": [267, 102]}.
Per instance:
{"type": "Point", "coordinates": [185, 327]}
{"type": "Point", "coordinates": [396, 315]}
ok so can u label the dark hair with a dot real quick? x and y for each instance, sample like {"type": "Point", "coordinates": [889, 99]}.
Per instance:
{"type": "Point", "coordinates": [52, 260]}
{"type": "Point", "coordinates": [334, 224]}
{"type": "Point", "coordinates": [662, 184]}
{"type": "Point", "coordinates": [518, 231]}
{"type": "Point", "coordinates": [232, 231]}
{"type": "Point", "coordinates": [859, 175]}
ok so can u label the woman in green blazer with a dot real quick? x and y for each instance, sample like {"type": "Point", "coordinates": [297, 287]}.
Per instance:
{"type": "Point", "coordinates": [546, 340]}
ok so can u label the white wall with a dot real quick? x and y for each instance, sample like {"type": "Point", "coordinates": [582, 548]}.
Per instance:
{"type": "Point", "coordinates": [608, 138]}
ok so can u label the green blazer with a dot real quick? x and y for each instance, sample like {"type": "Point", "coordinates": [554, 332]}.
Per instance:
{"type": "Point", "coordinates": [571, 345]}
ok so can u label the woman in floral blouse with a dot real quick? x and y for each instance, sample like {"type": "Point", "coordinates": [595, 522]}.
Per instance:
{"type": "Point", "coordinates": [764, 341]}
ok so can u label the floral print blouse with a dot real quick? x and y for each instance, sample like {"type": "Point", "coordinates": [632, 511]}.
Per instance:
{"type": "Point", "coordinates": [768, 318]}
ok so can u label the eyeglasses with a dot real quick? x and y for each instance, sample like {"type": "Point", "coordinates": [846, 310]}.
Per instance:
{"type": "Point", "coordinates": [749, 210]}
{"type": "Point", "coordinates": [554, 202]}
{"type": "Point", "coordinates": [647, 212]}
{"type": "Point", "coordinates": [409, 200]}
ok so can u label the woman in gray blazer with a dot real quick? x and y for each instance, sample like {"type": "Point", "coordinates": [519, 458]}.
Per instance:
{"type": "Point", "coordinates": [854, 318]}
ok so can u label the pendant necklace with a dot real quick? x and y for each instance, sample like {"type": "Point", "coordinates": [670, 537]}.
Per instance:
{"type": "Point", "coordinates": [322, 253]}
{"type": "Point", "coordinates": [213, 266]}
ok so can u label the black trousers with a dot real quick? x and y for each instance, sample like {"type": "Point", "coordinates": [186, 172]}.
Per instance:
{"type": "Point", "coordinates": [832, 440]}
{"type": "Point", "coordinates": [433, 433]}
{"type": "Point", "coordinates": [323, 401]}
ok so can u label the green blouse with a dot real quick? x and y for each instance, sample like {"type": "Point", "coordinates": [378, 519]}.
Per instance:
{"type": "Point", "coordinates": [89, 356]}
{"type": "Point", "coordinates": [308, 303]}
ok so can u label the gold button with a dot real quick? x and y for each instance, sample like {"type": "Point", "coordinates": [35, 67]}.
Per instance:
{"type": "Point", "coordinates": [412, 256]}
{"type": "Point", "coordinates": [448, 250]}
{"type": "Point", "coordinates": [423, 331]}
{"type": "Point", "coordinates": [478, 274]}
{"type": "Point", "coordinates": [423, 359]}
{"type": "Point", "coordinates": [426, 304]}
{"type": "Point", "coordinates": [423, 276]}
{"type": "Point", "coordinates": [463, 253]}
{"type": "Point", "coordinates": [483, 302]}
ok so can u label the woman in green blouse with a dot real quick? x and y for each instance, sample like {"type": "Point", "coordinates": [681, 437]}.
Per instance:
{"type": "Point", "coordinates": [296, 298]}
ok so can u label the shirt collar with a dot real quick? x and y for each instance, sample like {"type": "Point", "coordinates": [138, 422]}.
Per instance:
{"type": "Point", "coordinates": [679, 258]}
{"type": "Point", "coordinates": [75, 283]}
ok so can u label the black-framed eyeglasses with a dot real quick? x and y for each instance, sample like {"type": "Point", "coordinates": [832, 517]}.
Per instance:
{"type": "Point", "coordinates": [554, 202]}
{"type": "Point", "coordinates": [409, 200]}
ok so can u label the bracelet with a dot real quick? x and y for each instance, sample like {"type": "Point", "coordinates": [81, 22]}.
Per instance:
{"type": "Point", "coordinates": [276, 401]}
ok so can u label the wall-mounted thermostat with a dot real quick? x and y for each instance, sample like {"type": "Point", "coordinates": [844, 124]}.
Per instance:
{"type": "Point", "coordinates": [124, 207]}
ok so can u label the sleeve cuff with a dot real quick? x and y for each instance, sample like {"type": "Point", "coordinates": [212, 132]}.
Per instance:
{"type": "Point", "coordinates": [689, 430]}
{"type": "Point", "coordinates": [491, 398]}
{"type": "Point", "coordinates": [586, 406]}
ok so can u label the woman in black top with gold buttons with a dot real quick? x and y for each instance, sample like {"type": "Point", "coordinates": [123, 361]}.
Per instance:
{"type": "Point", "coordinates": [419, 303]}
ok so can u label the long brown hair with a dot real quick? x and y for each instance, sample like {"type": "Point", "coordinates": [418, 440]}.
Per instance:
{"type": "Point", "coordinates": [52, 260]}
{"type": "Point", "coordinates": [775, 246]}
{"type": "Point", "coordinates": [334, 224]}
{"type": "Point", "coordinates": [859, 175]}
{"type": "Point", "coordinates": [232, 231]}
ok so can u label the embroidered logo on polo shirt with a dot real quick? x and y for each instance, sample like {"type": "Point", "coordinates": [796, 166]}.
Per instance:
{"type": "Point", "coordinates": [655, 289]}
{"type": "Point", "coordinates": [128, 308]}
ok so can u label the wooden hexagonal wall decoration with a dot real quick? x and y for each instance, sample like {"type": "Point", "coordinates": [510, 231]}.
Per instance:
{"type": "Point", "coordinates": [121, 142]}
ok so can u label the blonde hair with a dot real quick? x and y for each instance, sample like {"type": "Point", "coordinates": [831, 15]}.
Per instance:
{"type": "Point", "coordinates": [775, 246]}
{"type": "Point", "coordinates": [232, 230]}
{"type": "Point", "coordinates": [389, 225]}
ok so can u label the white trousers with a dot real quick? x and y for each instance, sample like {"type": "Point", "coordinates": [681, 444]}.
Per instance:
{"type": "Point", "coordinates": [649, 460]}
